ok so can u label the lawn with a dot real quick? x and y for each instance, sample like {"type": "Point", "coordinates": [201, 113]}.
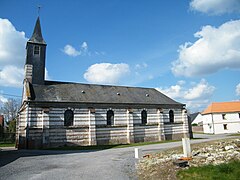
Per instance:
{"type": "Point", "coordinates": [7, 144]}
{"type": "Point", "coordinates": [229, 171]}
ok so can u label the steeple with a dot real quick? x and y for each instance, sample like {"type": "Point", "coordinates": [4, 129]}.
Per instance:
{"type": "Point", "coordinates": [37, 34]}
{"type": "Point", "coordinates": [35, 59]}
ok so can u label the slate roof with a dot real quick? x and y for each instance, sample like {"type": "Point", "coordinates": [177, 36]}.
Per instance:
{"type": "Point", "coordinates": [54, 91]}
{"type": "Point", "coordinates": [37, 34]}
{"type": "Point", "coordinates": [222, 107]}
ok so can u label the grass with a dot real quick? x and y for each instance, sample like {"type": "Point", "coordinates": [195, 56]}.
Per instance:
{"type": "Point", "coordinates": [237, 134]}
{"type": "Point", "coordinates": [227, 171]}
{"type": "Point", "coordinates": [102, 147]}
{"type": "Point", "coordinates": [10, 144]}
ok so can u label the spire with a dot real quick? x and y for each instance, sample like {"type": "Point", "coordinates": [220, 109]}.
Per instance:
{"type": "Point", "coordinates": [37, 34]}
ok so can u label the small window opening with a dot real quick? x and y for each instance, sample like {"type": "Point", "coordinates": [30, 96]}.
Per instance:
{"type": "Point", "coordinates": [36, 50]}
{"type": "Point", "coordinates": [224, 116]}
{"type": "Point", "coordinates": [68, 117]}
{"type": "Point", "coordinates": [110, 117]}
{"type": "Point", "coordinates": [144, 116]}
{"type": "Point", "coordinates": [225, 126]}
{"type": "Point", "coordinates": [171, 116]}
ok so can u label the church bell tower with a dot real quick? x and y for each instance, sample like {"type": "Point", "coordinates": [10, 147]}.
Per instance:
{"type": "Point", "coordinates": [35, 58]}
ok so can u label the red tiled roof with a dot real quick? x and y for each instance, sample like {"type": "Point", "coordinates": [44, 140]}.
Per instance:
{"type": "Point", "coordinates": [222, 107]}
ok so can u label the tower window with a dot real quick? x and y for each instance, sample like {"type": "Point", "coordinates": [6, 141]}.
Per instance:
{"type": "Point", "coordinates": [36, 50]}
{"type": "Point", "coordinates": [144, 116]}
{"type": "Point", "coordinates": [68, 117]}
{"type": "Point", "coordinates": [171, 116]}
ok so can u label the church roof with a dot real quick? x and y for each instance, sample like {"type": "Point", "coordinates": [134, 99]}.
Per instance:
{"type": "Point", "coordinates": [54, 91]}
{"type": "Point", "coordinates": [37, 34]}
{"type": "Point", "coordinates": [222, 107]}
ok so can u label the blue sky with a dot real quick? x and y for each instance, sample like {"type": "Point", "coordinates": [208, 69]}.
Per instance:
{"type": "Point", "coordinates": [189, 50]}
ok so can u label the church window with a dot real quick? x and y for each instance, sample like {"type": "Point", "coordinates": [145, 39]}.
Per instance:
{"type": "Point", "coordinates": [68, 117]}
{"type": "Point", "coordinates": [36, 50]}
{"type": "Point", "coordinates": [171, 116]}
{"type": "Point", "coordinates": [110, 117]}
{"type": "Point", "coordinates": [144, 116]}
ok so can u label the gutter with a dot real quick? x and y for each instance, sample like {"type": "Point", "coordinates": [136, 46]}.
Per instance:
{"type": "Point", "coordinates": [213, 124]}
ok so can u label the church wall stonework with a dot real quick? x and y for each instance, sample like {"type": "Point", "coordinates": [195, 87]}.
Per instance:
{"type": "Point", "coordinates": [44, 127]}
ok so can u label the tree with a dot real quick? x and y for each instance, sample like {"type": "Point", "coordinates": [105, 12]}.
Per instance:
{"type": "Point", "coordinates": [10, 108]}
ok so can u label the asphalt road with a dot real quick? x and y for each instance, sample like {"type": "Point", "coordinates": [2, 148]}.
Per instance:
{"type": "Point", "coordinates": [104, 164]}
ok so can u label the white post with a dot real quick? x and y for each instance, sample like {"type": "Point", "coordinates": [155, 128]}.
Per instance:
{"type": "Point", "coordinates": [138, 153]}
{"type": "Point", "coordinates": [186, 147]}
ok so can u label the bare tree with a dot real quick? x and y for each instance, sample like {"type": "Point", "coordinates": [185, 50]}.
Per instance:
{"type": "Point", "coordinates": [10, 108]}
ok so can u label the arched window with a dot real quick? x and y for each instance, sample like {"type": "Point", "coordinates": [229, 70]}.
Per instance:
{"type": "Point", "coordinates": [144, 116]}
{"type": "Point", "coordinates": [110, 117]}
{"type": "Point", "coordinates": [68, 117]}
{"type": "Point", "coordinates": [171, 116]}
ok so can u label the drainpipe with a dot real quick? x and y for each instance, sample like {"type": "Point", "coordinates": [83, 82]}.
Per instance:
{"type": "Point", "coordinates": [213, 124]}
{"type": "Point", "coordinates": [27, 128]}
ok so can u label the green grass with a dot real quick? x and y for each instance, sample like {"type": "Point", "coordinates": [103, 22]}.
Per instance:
{"type": "Point", "coordinates": [7, 144]}
{"type": "Point", "coordinates": [102, 147]}
{"type": "Point", "coordinates": [229, 171]}
{"type": "Point", "coordinates": [237, 134]}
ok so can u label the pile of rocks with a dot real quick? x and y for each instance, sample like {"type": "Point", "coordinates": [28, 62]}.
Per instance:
{"type": "Point", "coordinates": [215, 153]}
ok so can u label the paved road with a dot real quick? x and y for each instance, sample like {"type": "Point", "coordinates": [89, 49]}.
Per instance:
{"type": "Point", "coordinates": [105, 164]}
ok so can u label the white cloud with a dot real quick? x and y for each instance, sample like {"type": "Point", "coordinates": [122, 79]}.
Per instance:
{"type": "Point", "coordinates": [141, 66]}
{"type": "Point", "coordinates": [12, 54]}
{"type": "Point", "coordinates": [238, 90]}
{"type": "Point", "coordinates": [197, 96]}
{"type": "Point", "coordinates": [83, 50]}
{"type": "Point", "coordinates": [215, 7]}
{"type": "Point", "coordinates": [71, 51]}
{"type": "Point", "coordinates": [106, 73]}
{"type": "Point", "coordinates": [216, 48]}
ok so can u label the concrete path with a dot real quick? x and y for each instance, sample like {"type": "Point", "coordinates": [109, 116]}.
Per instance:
{"type": "Point", "coordinates": [105, 164]}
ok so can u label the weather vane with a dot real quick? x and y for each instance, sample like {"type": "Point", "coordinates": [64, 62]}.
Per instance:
{"type": "Point", "coordinates": [39, 8]}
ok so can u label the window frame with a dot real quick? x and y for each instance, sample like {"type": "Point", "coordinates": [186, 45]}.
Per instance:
{"type": "Point", "coordinates": [68, 121]}
{"type": "Point", "coordinates": [171, 116]}
{"type": "Point", "coordinates": [144, 116]}
{"type": "Point", "coordinates": [36, 50]}
{"type": "Point", "coordinates": [110, 117]}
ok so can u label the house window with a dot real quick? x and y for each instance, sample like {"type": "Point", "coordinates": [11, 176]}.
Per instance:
{"type": "Point", "coordinates": [144, 116]}
{"type": "Point", "coordinates": [224, 116]}
{"type": "Point", "coordinates": [36, 50]}
{"type": "Point", "coordinates": [110, 117]}
{"type": "Point", "coordinates": [225, 126]}
{"type": "Point", "coordinates": [68, 117]}
{"type": "Point", "coordinates": [171, 116]}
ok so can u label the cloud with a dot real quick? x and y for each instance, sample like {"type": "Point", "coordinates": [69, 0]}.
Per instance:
{"type": "Point", "coordinates": [197, 96]}
{"type": "Point", "coordinates": [83, 50]}
{"type": "Point", "coordinates": [71, 51]}
{"type": "Point", "coordinates": [215, 49]}
{"type": "Point", "coordinates": [238, 90]}
{"type": "Point", "coordinates": [215, 7]}
{"type": "Point", "coordinates": [12, 54]}
{"type": "Point", "coordinates": [141, 66]}
{"type": "Point", "coordinates": [106, 73]}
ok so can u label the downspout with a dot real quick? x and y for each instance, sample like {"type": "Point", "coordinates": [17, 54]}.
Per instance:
{"type": "Point", "coordinates": [27, 128]}
{"type": "Point", "coordinates": [213, 124]}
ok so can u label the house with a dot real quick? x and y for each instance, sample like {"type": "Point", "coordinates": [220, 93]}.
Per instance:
{"type": "Point", "coordinates": [196, 118]}
{"type": "Point", "coordinates": [222, 117]}
{"type": "Point", "coordinates": [57, 113]}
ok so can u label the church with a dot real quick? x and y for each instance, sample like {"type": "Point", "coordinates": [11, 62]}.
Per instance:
{"type": "Point", "coordinates": [55, 114]}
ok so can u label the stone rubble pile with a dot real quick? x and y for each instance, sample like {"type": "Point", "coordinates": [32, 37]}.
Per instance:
{"type": "Point", "coordinates": [203, 154]}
